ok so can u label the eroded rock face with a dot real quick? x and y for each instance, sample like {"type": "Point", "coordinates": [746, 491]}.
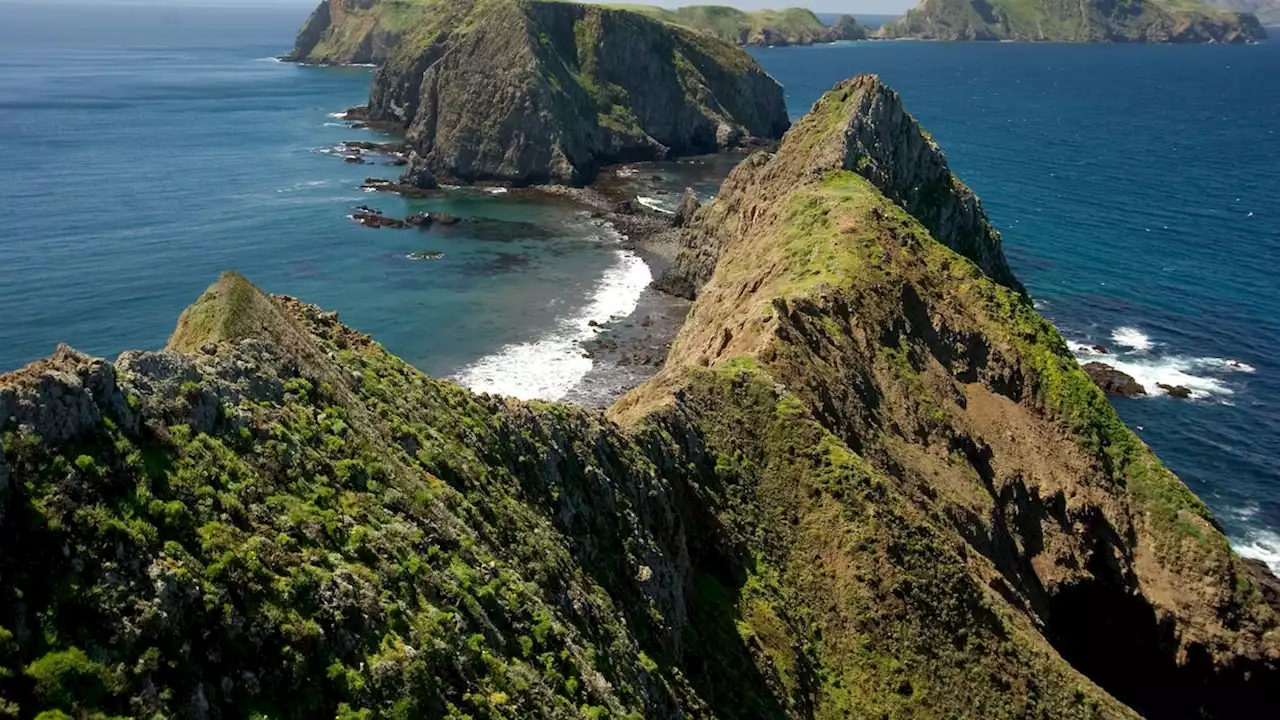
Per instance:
{"type": "Point", "coordinates": [351, 32]}
{"type": "Point", "coordinates": [860, 126]}
{"type": "Point", "coordinates": [549, 92]}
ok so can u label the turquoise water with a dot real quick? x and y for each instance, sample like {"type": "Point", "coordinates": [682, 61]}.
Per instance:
{"type": "Point", "coordinates": [145, 150]}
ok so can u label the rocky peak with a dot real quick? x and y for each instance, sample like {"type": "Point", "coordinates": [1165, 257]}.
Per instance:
{"type": "Point", "coordinates": [859, 126]}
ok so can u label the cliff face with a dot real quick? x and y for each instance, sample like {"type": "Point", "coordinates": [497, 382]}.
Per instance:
{"type": "Point", "coordinates": [1142, 21]}
{"type": "Point", "coordinates": [346, 32]}
{"type": "Point", "coordinates": [530, 92]}
{"type": "Point", "coordinates": [870, 482]}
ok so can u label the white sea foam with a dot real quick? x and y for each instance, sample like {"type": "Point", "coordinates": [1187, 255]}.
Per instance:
{"type": "Point", "coordinates": [1131, 338]}
{"type": "Point", "coordinates": [1261, 545]}
{"type": "Point", "coordinates": [340, 115]}
{"type": "Point", "coordinates": [1132, 354]}
{"type": "Point", "coordinates": [549, 368]}
{"type": "Point", "coordinates": [654, 204]}
{"type": "Point", "coordinates": [496, 190]}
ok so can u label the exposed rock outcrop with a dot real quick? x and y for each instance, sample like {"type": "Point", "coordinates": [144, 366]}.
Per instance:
{"type": "Point", "coordinates": [527, 92]}
{"type": "Point", "coordinates": [871, 134]}
{"type": "Point", "coordinates": [1140, 21]}
{"type": "Point", "coordinates": [1113, 381]}
{"type": "Point", "coordinates": [869, 481]}
{"type": "Point", "coordinates": [354, 32]}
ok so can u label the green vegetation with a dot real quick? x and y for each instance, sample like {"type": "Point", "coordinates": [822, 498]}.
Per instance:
{"type": "Point", "coordinates": [792, 26]}
{"type": "Point", "coordinates": [1048, 20]}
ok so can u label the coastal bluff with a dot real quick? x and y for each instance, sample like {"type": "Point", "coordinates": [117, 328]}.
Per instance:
{"type": "Point", "coordinates": [869, 481]}
{"type": "Point", "coordinates": [521, 92]}
{"type": "Point", "coordinates": [1106, 21]}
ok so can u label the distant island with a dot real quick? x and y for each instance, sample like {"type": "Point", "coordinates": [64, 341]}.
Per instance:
{"type": "Point", "coordinates": [1267, 11]}
{"type": "Point", "coordinates": [355, 32]}
{"type": "Point", "coordinates": [523, 93]}
{"type": "Point", "coordinates": [1117, 21]}
{"type": "Point", "coordinates": [792, 26]}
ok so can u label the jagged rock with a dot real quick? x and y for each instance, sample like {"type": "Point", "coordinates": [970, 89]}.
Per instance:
{"type": "Point", "coordinates": [688, 206]}
{"type": "Point", "coordinates": [877, 139]}
{"type": "Point", "coordinates": [866, 482]}
{"type": "Point", "coordinates": [1177, 391]}
{"type": "Point", "coordinates": [377, 220]}
{"type": "Point", "coordinates": [353, 160]}
{"type": "Point", "coordinates": [421, 220]}
{"type": "Point", "coordinates": [1113, 381]}
{"type": "Point", "coordinates": [536, 92]}
{"type": "Point", "coordinates": [1143, 21]}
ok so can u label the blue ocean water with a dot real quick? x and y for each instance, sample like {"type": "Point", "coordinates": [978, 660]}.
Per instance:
{"type": "Point", "coordinates": [143, 150]}
{"type": "Point", "coordinates": [147, 148]}
{"type": "Point", "coordinates": [1138, 192]}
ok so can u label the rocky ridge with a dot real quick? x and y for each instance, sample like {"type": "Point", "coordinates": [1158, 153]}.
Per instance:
{"type": "Point", "coordinates": [870, 481]}
{"type": "Point", "coordinates": [521, 92]}
{"type": "Point", "coordinates": [1133, 21]}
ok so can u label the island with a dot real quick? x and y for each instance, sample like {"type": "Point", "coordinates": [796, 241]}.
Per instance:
{"type": "Point", "coordinates": [358, 32]}
{"type": "Point", "coordinates": [1113, 21]}
{"type": "Point", "coordinates": [792, 26]}
{"type": "Point", "coordinates": [869, 481]}
{"type": "Point", "coordinates": [520, 92]}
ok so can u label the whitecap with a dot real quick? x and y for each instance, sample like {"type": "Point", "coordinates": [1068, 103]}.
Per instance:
{"type": "Point", "coordinates": [552, 366]}
{"type": "Point", "coordinates": [1261, 545]}
{"type": "Point", "coordinates": [654, 204]}
{"type": "Point", "coordinates": [1131, 338]}
{"type": "Point", "coordinates": [1174, 371]}
{"type": "Point", "coordinates": [496, 190]}
{"type": "Point", "coordinates": [340, 115]}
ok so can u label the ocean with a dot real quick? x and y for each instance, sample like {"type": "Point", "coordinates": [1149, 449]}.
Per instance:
{"type": "Point", "coordinates": [145, 149]}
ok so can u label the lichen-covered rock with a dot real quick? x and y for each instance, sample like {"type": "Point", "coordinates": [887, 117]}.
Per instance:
{"type": "Point", "coordinates": [1143, 21]}
{"type": "Point", "coordinates": [354, 32]}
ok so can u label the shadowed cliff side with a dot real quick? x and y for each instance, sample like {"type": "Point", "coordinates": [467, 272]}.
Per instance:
{"type": "Point", "coordinates": [870, 482]}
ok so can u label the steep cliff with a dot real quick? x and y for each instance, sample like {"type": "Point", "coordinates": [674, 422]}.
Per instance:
{"type": "Point", "coordinates": [870, 482]}
{"type": "Point", "coordinates": [792, 26]}
{"type": "Point", "coordinates": [1141, 21]}
{"type": "Point", "coordinates": [527, 92]}
{"type": "Point", "coordinates": [346, 32]}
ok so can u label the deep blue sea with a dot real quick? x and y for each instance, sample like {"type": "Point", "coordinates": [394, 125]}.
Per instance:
{"type": "Point", "coordinates": [143, 150]}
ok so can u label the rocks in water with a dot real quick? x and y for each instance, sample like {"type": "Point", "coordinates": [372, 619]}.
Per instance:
{"type": "Point", "coordinates": [354, 160]}
{"type": "Point", "coordinates": [409, 191]}
{"type": "Point", "coordinates": [1176, 391]}
{"type": "Point", "coordinates": [688, 206]}
{"type": "Point", "coordinates": [1100, 349]}
{"type": "Point", "coordinates": [446, 219]}
{"type": "Point", "coordinates": [1113, 381]}
{"type": "Point", "coordinates": [426, 255]}
{"type": "Point", "coordinates": [419, 175]}
{"type": "Point", "coordinates": [420, 220]}
{"type": "Point", "coordinates": [377, 220]}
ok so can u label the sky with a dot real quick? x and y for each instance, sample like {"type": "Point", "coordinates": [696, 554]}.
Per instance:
{"type": "Point", "coordinates": [872, 7]}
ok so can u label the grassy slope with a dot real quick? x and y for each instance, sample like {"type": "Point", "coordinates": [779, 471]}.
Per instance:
{"type": "Point", "coordinates": [1060, 20]}
{"type": "Point", "coordinates": [325, 531]}
{"type": "Point", "coordinates": [797, 25]}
